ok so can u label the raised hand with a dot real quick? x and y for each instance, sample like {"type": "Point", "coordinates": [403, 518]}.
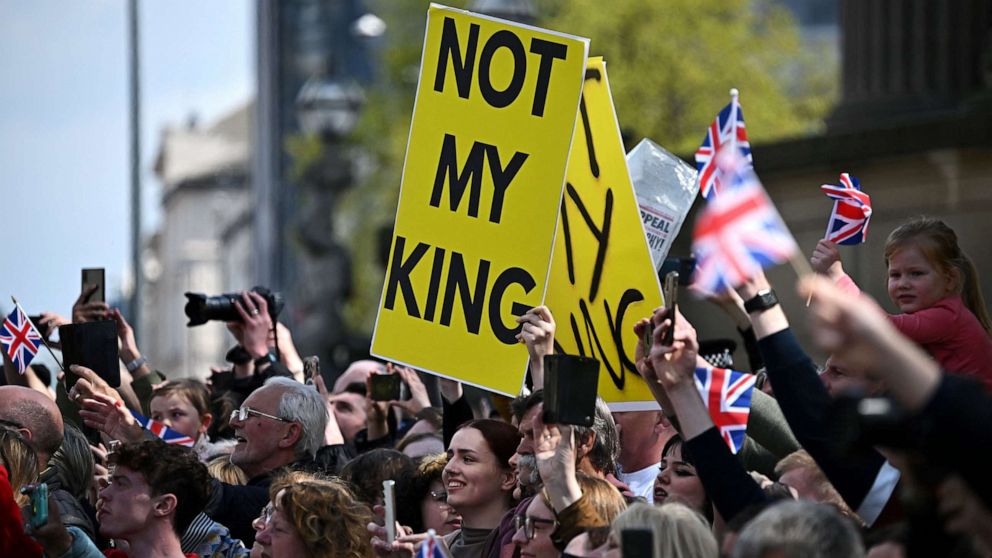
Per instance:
{"type": "Point", "coordinates": [826, 259]}
{"type": "Point", "coordinates": [537, 332]}
{"type": "Point", "coordinates": [419, 399]}
{"type": "Point", "coordinates": [256, 324]}
{"type": "Point", "coordinates": [83, 311]}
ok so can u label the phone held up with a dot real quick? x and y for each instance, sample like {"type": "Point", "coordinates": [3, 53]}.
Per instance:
{"type": "Point", "coordinates": [95, 276]}
{"type": "Point", "coordinates": [386, 387]}
{"type": "Point", "coordinates": [311, 369]}
{"type": "Point", "coordinates": [670, 292]}
{"type": "Point", "coordinates": [570, 386]}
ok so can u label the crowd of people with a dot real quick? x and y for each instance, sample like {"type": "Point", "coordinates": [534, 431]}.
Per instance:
{"type": "Point", "coordinates": [878, 452]}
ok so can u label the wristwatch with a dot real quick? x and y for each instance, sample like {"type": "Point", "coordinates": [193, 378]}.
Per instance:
{"type": "Point", "coordinates": [136, 364]}
{"type": "Point", "coordinates": [268, 358]}
{"type": "Point", "coordinates": [762, 301]}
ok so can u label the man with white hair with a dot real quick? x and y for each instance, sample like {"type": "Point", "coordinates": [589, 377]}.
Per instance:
{"type": "Point", "coordinates": [279, 425]}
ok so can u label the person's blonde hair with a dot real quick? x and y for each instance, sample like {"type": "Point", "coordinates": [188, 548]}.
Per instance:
{"type": "Point", "coordinates": [20, 460]}
{"type": "Point", "coordinates": [939, 245]}
{"type": "Point", "coordinates": [677, 530]}
{"type": "Point", "coordinates": [328, 518]}
{"type": "Point", "coordinates": [223, 470]}
{"type": "Point", "coordinates": [604, 497]}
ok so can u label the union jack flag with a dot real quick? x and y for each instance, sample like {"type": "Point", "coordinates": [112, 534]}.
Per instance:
{"type": "Point", "coordinates": [431, 547]}
{"type": "Point", "coordinates": [20, 340]}
{"type": "Point", "coordinates": [739, 232]}
{"type": "Point", "coordinates": [727, 129]}
{"type": "Point", "coordinates": [727, 394]}
{"type": "Point", "coordinates": [848, 223]}
{"type": "Point", "coordinates": [167, 434]}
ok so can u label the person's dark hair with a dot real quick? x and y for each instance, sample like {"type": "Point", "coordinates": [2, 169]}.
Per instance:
{"type": "Point", "coordinates": [606, 445]}
{"type": "Point", "coordinates": [169, 469]}
{"type": "Point", "coordinates": [357, 388]}
{"type": "Point", "coordinates": [502, 438]}
{"type": "Point", "coordinates": [677, 443]}
{"type": "Point", "coordinates": [799, 529]}
{"type": "Point", "coordinates": [411, 490]}
{"type": "Point", "coordinates": [523, 403]}
{"type": "Point", "coordinates": [366, 472]}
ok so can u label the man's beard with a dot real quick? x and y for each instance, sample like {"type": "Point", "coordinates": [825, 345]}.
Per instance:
{"type": "Point", "coordinates": [528, 476]}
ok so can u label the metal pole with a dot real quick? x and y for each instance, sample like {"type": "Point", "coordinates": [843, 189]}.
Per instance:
{"type": "Point", "coordinates": [135, 91]}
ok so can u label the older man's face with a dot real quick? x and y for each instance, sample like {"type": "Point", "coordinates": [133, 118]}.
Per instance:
{"type": "Point", "coordinates": [258, 436]}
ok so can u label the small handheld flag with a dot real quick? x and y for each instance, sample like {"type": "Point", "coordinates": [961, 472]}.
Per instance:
{"type": "Point", "coordinates": [20, 340]}
{"type": "Point", "coordinates": [739, 232]}
{"type": "Point", "coordinates": [431, 547]}
{"type": "Point", "coordinates": [728, 130]}
{"type": "Point", "coordinates": [727, 395]}
{"type": "Point", "coordinates": [848, 223]}
{"type": "Point", "coordinates": [167, 434]}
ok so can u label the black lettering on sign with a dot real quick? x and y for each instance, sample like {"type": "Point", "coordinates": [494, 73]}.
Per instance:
{"type": "Point", "coordinates": [602, 235]}
{"type": "Point", "coordinates": [459, 290]}
{"type": "Point", "coordinates": [447, 173]}
{"type": "Point", "coordinates": [463, 65]}
{"type": "Point", "coordinates": [502, 39]}
{"type": "Point", "coordinates": [399, 276]}
{"type": "Point", "coordinates": [512, 276]}
{"type": "Point", "coordinates": [616, 369]}
{"type": "Point", "coordinates": [595, 75]}
{"type": "Point", "coordinates": [471, 303]}
{"type": "Point", "coordinates": [549, 52]}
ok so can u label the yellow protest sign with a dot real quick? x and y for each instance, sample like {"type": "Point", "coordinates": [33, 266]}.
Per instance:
{"type": "Point", "coordinates": [602, 277]}
{"type": "Point", "coordinates": [485, 165]}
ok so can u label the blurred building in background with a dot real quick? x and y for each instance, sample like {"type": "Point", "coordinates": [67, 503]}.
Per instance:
{"type": "Point", "coordinates": [204, 240]}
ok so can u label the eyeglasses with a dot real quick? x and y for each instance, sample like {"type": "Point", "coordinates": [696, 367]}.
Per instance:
{"type": "Point", "coordinates": [527, 523]}
{"type": "Point", "coordinates": [266, 516]}
{"type": "Point", "coordinates": [439, 496]}
{"type": "Point", "coordinates": [243, 413]}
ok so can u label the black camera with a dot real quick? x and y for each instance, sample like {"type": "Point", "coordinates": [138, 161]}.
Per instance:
{"type": "Point", "coordinates": [201, 308]}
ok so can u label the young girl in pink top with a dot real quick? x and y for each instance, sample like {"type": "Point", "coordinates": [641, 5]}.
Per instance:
{"type": "Point", "coordinates": [935, 285]}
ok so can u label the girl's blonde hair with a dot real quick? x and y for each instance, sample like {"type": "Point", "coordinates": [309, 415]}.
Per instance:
{"type": "Point", "coordinates": [223, 470]}
{"type": "Point", "coordinates": [20, 460]}
{"type": "Point", "coordinates": [939, 245]}
{"type": "Point", "coordinates": [678, 531]}
{"type": "Point", "coordinates": [328, 518]}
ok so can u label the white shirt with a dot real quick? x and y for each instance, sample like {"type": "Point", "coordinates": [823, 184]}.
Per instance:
{"type": "Point", "coordinates": [641, 482]}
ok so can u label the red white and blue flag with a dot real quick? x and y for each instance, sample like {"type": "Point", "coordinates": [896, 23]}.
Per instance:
{"type": "Point", "coordinates": [727, 394]}
{"type": "Point", "coordinates": [848, 223]}
{"type": "Point", "coordinates": [167, 434]}
{"type": "Point", "coordinates": [20, 340]}
{"type": "Point", "coordinates": [431, 547]}
{"type": "Point", "coordinates": [739, 232]}
{"type": "Point", "coordinates": [727, 130]}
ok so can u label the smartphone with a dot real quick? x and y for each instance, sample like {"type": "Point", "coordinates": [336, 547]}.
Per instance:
{"type": "Point", "coordinates": [95, 276]}
{"type": "Point", "coordinates": [311, 369]}
{"type": "Point", "coordinates": [636, 543]}
{"type": "Point", "coordinates": [93, 345]}
{"type": "Point", "coordinates": [570, 386]}
{"type": "Point", "coordinates": [386, 387]}
{"type": "Point", "coordinates": [670, 290]}
{"type": "Point", "coordinates": [42, 329]}
{"type": "Point", "coordinates": [389, 501]}
{"type": "Point", "coordinates": [39, 506]}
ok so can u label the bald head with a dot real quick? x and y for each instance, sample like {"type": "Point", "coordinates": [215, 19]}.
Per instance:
{"type": "Point", "coordinates": [37, 415]}
{"type": "Point", "coordinates": [357, 372]}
